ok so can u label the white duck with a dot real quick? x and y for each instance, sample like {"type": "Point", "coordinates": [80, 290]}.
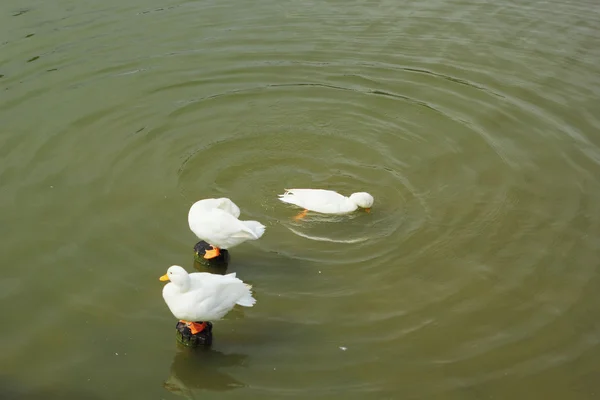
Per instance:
{"type": "Point", "coordinates": [216, 222]}
{"type": "Point", "coordinates": [202, 296]}
{"type": "Point", "coordinates": [326, 201]}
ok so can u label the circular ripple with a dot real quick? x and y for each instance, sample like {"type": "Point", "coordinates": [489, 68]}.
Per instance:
{"type": "Point", "coordinates": [468, 214]}
{"type": "Point", "coordinates": [474, 127]}
{"type": "Point", "coordinates": [266, 159]}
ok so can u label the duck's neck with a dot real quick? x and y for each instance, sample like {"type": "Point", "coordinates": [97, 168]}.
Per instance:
{"type": "Point", "coordinates": [184, 285]}
{"type": "Point", "coordinates": [350, 205]}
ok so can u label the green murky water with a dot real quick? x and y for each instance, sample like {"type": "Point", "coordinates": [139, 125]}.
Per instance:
{"type": "Point", "coordinates": [475, 124]}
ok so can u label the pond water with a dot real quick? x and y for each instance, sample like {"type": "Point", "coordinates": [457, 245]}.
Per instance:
{"type": "Point", "coordinates": [474, 124]}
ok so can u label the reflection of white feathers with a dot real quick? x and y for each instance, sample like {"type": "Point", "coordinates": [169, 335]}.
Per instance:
{"type": "Point", "coordinates": [325, 239]}
{"type": "Point", "coordinates": [193, 374]}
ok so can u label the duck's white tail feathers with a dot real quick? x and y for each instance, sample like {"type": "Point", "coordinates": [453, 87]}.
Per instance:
{"type": "Point", "coordinates": [290, 197]}
{"type": "Point", "coordinates": [255, 227]}
{"type": "Point", "coordinates": [284, 196]}
{"type": "Point", "coordinates": [236, 290]}
{"type": "Point", "coordinates": [247, 300]}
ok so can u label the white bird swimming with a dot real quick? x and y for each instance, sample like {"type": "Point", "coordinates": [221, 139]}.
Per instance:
{"type": "Point", "coordinates": [216, 222]}
{"type": "Point", "coordinates": [326, 201]}
{"type": "Point", "coordinates": [202, 296]}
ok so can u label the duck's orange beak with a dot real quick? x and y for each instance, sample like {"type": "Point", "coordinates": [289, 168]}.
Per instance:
{"type": "Point", "coordinates": [164, 278]}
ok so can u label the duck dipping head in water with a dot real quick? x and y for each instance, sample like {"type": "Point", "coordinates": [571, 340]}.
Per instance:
{"type": "Point", "coordinates": [326, 201]}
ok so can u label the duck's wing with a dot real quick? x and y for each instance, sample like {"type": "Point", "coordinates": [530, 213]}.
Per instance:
{"type": "Point", "coordinates": [222, 292]}
{"type": "Point", "coordinates": [224, 225]}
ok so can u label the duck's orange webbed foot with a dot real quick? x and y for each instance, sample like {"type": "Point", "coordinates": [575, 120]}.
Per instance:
{"type": "Point", "coordinates": [301, 215]}
{"type": "Point", "coordinates": [215, 252]}
{"type": "Point", "coordinates": [194, 326]}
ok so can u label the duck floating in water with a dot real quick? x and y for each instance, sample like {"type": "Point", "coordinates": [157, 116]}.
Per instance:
{"type": "Point", "coordinates": [216, 222]}
{"type": "Point", "coordinates": [202, 296]}
{"type": "Point", "coordinates": [326, 201]}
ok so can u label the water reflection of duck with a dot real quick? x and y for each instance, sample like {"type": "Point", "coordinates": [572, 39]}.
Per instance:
{"type": "Point", "coordinates": [198, 370]}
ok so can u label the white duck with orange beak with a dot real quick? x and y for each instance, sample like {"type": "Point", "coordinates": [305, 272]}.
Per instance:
{"type": "Point", "coordinates": [200, 297]}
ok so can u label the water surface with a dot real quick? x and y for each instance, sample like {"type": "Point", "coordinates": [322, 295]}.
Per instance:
{"type": "Point", "coordinates": [474, 124]}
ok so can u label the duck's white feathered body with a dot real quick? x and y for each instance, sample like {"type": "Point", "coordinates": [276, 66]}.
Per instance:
{"type": "Point", "coordinates": [222, 203]}
{"type": "Point", "coordinates": [326, 201]}
{"type": "Point", "coordinates": [216, 222]}
{"type": "Point", "coordinates": [202, 296]}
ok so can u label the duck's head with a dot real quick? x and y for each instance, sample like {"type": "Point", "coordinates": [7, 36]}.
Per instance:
{"type": "Point", "coordinates": [363, 200]}
{"type": "Point", "coordinates": [177, 275]}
